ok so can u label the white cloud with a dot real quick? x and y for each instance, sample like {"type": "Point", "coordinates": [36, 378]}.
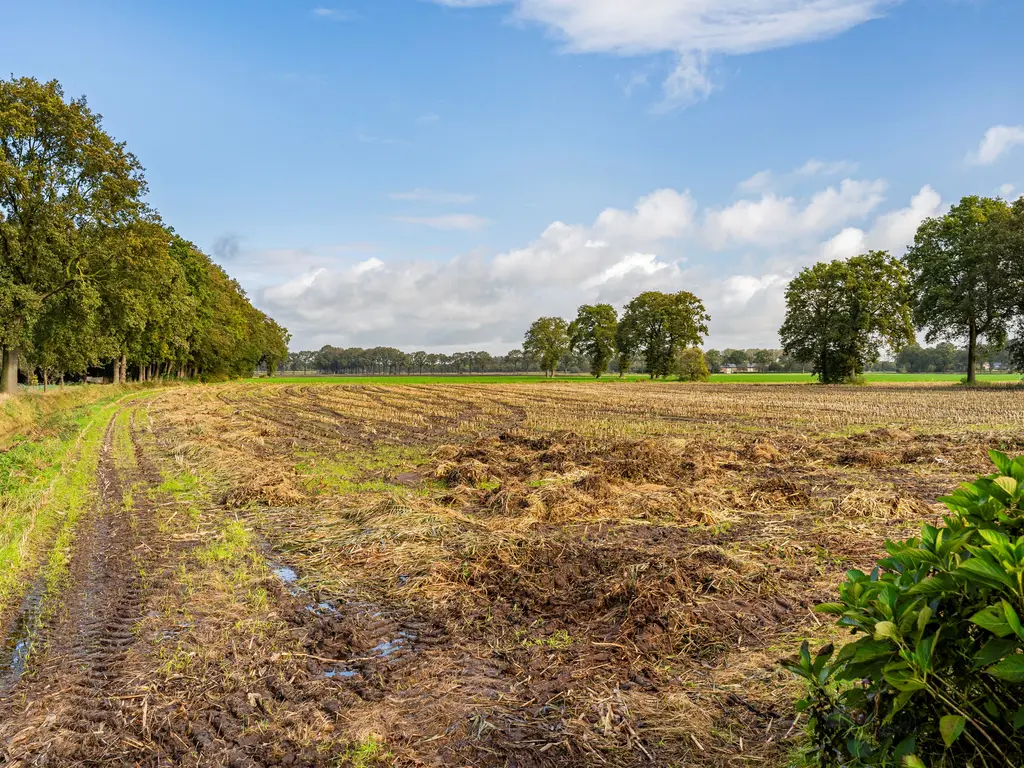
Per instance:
{"type": "Point", "coordinates": [847, 244]}
{"type": "Point", "coordinates": [689, 82]}
{"type": "Point", "coordinates": [465, 222]}
{"type": "Point", "coordinates": [893, 231]}
{"type": "Point", "coordinates": [486, 302]}
{"type": "Point", "coordinates": [334, 14]}
{"type": "Point", "coordinates": [663, 214]}
{"type": "Point", "coordinates": [1006, 191]}
{"type": "Point", "coordinates": [820, 168]}
{"type": "Point", "coordinates": [774, 219]}
{"type": "Point", "coordinates": [692, 29]}
{"type": "Point", "coordinates": [635, 81]}
{"type": "Point", "coordinates": [421, 195]}
{"type": "Point", "coordinates": [766, 180]}
{"type": "Point", "coordinates": [759, 182]}
{"type": "Point", "coordinates": [646, 264]}
{"type": "Point", "coordinates": [998, 140]}
{"type": "Point", "coordinates": [607, 252]}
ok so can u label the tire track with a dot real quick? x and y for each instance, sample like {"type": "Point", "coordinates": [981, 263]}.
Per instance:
{"type": "Point", "coordinates": [63, 710]}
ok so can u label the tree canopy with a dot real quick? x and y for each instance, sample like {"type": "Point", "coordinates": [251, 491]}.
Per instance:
{"type": "Point", "coordinates": [963, 271]}
{"type": "Point", "coordinates": [658, 325]}
{"type": "Point", "coordinates": [592, 334]}
{"type": "Point", "coordinates": [547, 341]}
{"type": "Point", "coordinates": [840, 314]}
{"type": "Point", "coordinates": [88, 272]}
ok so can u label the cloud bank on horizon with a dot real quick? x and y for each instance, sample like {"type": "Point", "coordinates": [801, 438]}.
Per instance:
{"type": "Point", "coordinates": [666, 242]}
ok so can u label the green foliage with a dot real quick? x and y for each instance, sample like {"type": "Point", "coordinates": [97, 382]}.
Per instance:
{"type": "Point", "coordinates": [659, 325]}
{"type": "Point", "coordinates": [691, 365]}
{"type": "Point", "coordinates": [547, 341]}
{"type": "Point", "coordinates": [592, 334]}
{"type": "Point", "coordinates": [963, 267]}
{"type": "Point", "coordinates": [88, 273]}
{"type": "Point", "coordinates": [938, 671]}
{"type": "Point", "coordinates": [840, 314]}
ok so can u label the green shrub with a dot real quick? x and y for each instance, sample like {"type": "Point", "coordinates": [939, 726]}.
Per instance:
{"type": "Point", "coordinates": [691, 365]}
{"type": "Point", "coordinates": [937, 676]}
{"type": "Point", "coordinates": [214, 378]}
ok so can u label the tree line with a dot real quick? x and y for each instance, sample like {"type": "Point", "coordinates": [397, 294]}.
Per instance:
{"type": "Point", "coordinates": [90, 276]}
{"type": "Point", "coordinates": [663, 330]}
{"type": "Point", "coordinates": [961, 280]}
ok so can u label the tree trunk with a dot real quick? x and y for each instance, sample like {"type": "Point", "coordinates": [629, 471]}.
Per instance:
{"type": "Point", "coordinates": [122, 370]}
{"type": "Point", "coordinates": [62, 379]}
{"type": "Point", "coordinates": [972, 354]}
{"type": "Point", "coordinates": [9, 371]}
{"type": "Point", "coordinates": [46, 380]}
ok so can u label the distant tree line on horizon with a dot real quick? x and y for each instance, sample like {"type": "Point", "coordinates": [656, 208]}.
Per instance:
{"type": "Point", "coordinates": [389, 361]}
{"type": "Point", "coordinates": [91, 279]}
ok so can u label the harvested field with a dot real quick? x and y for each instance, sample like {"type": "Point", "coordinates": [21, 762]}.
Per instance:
{"type": "Point", "coordinates": [495, 575]}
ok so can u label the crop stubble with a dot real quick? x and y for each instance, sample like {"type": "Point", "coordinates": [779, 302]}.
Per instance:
{"type": "Point", "coordinates": [474, 575]}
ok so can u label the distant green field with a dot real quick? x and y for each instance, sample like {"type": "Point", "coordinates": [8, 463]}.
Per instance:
{"type": "Point", "coordinates": [726, 378]}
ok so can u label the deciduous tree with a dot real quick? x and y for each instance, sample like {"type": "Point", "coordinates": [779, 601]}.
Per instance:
{"type": "Point", "coordinates": [658, 325]}
{"type": "Point", "coordinates": [961, 268]}
{"type": "Point", "coordinates": [67, 189]}
{"type": "Point", "coordinates": [840, 314]}
{"type": "Point", "coordinates": [592, 334]}
{"type": "Point", "coordinates": [547, 342]}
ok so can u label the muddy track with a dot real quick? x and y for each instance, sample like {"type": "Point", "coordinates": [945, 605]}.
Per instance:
{"type": "Point", "coordinates": [63, 709]}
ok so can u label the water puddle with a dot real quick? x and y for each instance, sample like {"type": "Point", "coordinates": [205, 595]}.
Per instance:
{"type": "Point", "coordinates": [288, 577]}
{"type": "Point", "coordinates": [286, 574]}
{"type": "Point", "coordinates": [343, 673]}
{"type": "Point", "coordinates": [389, 647]}
{"type": "Point", "coordinates": [323, 609]}
{"type": "Point", "coordinates": [17, 647]}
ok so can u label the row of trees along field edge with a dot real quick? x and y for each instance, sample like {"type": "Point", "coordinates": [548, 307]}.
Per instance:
{"type": "Point", "coordinates": [90, 275]}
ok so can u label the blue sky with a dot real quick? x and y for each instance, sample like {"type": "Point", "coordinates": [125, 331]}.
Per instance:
{"type": "Point", "coordinates": [436, 173]}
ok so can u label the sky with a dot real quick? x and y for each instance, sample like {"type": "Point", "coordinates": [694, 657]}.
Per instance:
{"type": "Point", "coordinates": [435, 174]}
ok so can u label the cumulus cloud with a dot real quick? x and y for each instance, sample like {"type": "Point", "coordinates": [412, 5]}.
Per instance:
{"type": "Point", "coordinates": [487, 302]}
{"type": "Point", "coordinates": [998, 140]}
{"type": "Point", "coordinates": [893, 231]}
{"type": "Point", "coordinates": [464, 222]}
{"type": "Point", "coordinates": [774, 220]}
{"type": "Point", "coordinates": [482, 301]}
{"type": "Point", "coordinates": [692, 29]}
{"type": "Point", "coordinates": [759, 182]}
